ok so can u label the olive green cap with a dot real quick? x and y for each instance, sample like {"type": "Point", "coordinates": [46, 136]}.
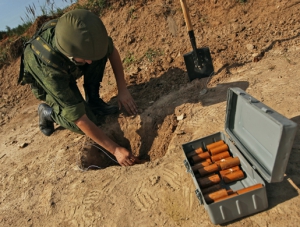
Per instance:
{"type": "Point", "coordinates": [81, 34]}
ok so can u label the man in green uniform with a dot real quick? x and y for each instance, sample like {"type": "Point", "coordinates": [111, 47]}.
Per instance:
{"type": "Point", "coordinates": [81, 42]}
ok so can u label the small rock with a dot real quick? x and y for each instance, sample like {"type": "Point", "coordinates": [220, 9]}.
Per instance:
{"type": "Point", "coordinates": [155, 180]}
{"type": "Point", "coordinates": [22, 145]}
{"type": "Point", "coordinates": [130, 40]}
{"type": "Point", "coordinates": [159, 68]}
{"type": "Point", "coordinates": [235, 27]}
{"type": "Point", "coordinates": [169, 59]}
{"type": "Point", "coordinates": [258, 57]}
{"type": "Point", "coordinates": [250, 47]}
{"type": "Point", "coordinates": [181, 117]}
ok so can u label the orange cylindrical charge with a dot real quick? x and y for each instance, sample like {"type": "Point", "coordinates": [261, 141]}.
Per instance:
{"type": "Point", "coordinates": [222, 160]}
{"type": "Point", "coordinates": [230, 170]}
{"type": "Point", "coordinates": [200, 165]}
{"type": "Point", "coordinates": [209, 181]}
{"type": "Point", "coordinates": [229, 163]}
{"type": "Point", "coordinates": [237, 175]}
{"type": "Point", "coordinates": [208, 169]}
{"type": "Point", "coordinates": [210, 189]}
{"type": "Point", "coordinates": [226, 197]}
{"type": "Point", "coordinates": [219, 149]}
{"type": "Point", "coordinates": [215, 144]}
{"type": "Point", "coordinates": [211, 197]}
{"type": "Point", "coordinates": [220, 156]}
{"type": "Point", "coordinates": [194, 152]}
{"type": "Point", "coordinates": [201, 157]}
{"type": "Point", "coordinates": [250, 188]}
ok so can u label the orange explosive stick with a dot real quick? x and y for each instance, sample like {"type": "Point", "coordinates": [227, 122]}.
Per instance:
{"type": "Point", "coordinates": [219, 149]}
{"type": "Point", "coordinates": [222, 160]}
{"type": "Point", "coordinates": [237, 175]}
{"type": "Point", "coordinates": [208, 169]}
{"type": "Point", "coordinates": [250, 188]}
{"type": "Point", "coordinates": [220, 156]}
{"type": "Point", "coordinates": [200, 165]}
{"type": "Point", "coordinates": [201, 157]}
{"type": "Point", "coordinates": [226, 197]}
{"type": "Point", "coordinates": [209, 181]}
{"type": "Point", "coordinates": [197, 151]}
{"type": "Point", "coordinates": [215, 144]}
{"type": "Point", "coordinates": [230, 170]}
{"type": "Point", "coordinates": [210, 198]}
{"type": "Point", "coordinates": [229, 163]}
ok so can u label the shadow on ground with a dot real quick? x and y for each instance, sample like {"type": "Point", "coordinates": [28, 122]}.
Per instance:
{"type": "Point", "coordinates": [158, 100]}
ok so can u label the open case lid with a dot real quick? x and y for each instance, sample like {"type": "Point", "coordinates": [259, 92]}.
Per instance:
{"type": "Point", "coordinates": [264, 136]}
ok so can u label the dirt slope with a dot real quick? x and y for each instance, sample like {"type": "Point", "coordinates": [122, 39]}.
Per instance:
{"type": "Point", "coordinates": [254, 46]}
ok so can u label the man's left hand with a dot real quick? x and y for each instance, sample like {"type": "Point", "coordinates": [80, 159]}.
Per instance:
{"type": "Point", "coordinates": [125, 99]}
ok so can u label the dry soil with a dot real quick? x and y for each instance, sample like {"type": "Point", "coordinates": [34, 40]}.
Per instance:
{"type": "Point", "coordinates": [254, 45]}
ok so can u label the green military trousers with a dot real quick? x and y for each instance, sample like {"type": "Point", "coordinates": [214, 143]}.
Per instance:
{"type": "Point", "coordinates": [93, 74]}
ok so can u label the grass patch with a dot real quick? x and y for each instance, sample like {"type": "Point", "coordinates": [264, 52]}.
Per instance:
{"type": "Point", "coordinates": [131, 13]}
{"type": "Point", "coordinates": [129, 59]}
{"type": "Point", "coordinates": [151, 54]}
{"type": "Point", "coordinates": [3, 56]}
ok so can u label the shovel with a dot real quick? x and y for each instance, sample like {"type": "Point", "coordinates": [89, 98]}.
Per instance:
{"type": "Point", "coordinates": [198, 62]}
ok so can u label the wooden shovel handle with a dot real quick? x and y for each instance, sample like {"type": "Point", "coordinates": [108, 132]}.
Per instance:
{"type": "Point", "coordinates": [186, 15]}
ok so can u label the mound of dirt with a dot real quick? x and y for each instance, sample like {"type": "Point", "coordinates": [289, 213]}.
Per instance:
{"type": "Point", "coordinates": [254, 45]}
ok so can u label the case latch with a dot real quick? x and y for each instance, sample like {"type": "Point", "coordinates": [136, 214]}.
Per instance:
{"type": "Point", "coordinates": [198, 194]}
{"type": "Point", "coordinates": [187, 166]}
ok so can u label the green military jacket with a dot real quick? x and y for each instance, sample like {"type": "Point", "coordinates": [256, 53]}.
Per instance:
{"type": "Point", "coordinates": [56, 86]}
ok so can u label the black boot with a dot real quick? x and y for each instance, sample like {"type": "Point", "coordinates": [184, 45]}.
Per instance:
{"type": "Point", "coordinates": [46, 123]}
{"type": "Point", "coordinates": [97, 105]}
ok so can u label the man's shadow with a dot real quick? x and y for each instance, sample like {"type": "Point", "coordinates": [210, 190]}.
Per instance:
{"type": "Point", "coordinates": [158, 100]}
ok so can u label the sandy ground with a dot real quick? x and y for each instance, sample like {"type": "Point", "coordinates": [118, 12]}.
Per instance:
{"type": "Point", "coordinates": [40, 179]}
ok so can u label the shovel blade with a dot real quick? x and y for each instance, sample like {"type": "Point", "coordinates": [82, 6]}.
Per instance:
{"type": "Point", "coordinates": [199, 65]}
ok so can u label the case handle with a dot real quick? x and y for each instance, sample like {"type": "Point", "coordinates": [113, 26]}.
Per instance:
{"type": "Point", "coordinates": [252, 100]}
{"type": "Point", "coordinates": [199, 196]}
{"type": "Point", "coordinates": [266, 110]}
{"type": "Point", "coordinates": [187, 166]}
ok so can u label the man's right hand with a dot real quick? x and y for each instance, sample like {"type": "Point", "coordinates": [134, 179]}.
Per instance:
{"type": "Point", "coordinates": [124, 157]}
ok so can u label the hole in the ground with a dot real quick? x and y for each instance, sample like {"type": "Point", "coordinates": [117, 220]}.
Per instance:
{"type": "Point", "coordinates": [149, 140]}
{"type": "Point", "coordinates": [93, 157]}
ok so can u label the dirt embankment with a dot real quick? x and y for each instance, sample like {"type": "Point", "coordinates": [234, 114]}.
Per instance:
{"type": "Point", "coordinates": [254, 46]}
